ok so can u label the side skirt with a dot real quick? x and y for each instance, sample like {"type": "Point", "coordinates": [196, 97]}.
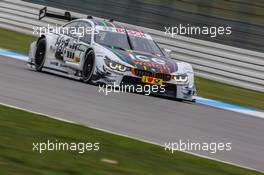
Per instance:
{"type": "Point", "coordinates": [55, 71]}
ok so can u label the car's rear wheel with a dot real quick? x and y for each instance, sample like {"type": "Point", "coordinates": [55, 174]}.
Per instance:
{"type": "Point", "coordinates": [88, 67]}
{"type": "Point", "coordinates": [40, 54]}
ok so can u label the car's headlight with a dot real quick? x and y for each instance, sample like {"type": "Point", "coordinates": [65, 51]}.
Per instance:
{"type": "Point", "coordinates": [182, 78]}
{"type": "Point", "coordinates": [115, 66]}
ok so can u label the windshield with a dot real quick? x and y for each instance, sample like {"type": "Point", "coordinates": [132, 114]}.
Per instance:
{"type": "Point", "coordinates": [145, 45]}
{"type": "Point", "coordinates": [120, 40]}
{"type": "Point", "coordinates": [112, 39]}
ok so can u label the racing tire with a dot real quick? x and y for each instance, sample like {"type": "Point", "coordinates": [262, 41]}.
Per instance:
{"type": "Point", "coordinates": [88, 67]}
{"type": "Point", "coordinates": [40, 54]}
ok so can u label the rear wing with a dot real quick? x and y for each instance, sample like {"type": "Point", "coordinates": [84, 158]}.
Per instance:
{"type": "Point", "coordinates": [67, 15]}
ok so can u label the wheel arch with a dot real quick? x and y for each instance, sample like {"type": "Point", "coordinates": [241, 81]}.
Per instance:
{"type": "Point", "coordinates": [84, 63]}
{"type": "Point", "coordinates": [87, 51]}
{"type": "Point", "coordinates": [86, 55]}
{"type": "Point", "coordinates": [42, 36]}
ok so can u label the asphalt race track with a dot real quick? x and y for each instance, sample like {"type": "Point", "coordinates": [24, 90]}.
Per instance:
{"type": "Point", "coordinates": [151, 118]}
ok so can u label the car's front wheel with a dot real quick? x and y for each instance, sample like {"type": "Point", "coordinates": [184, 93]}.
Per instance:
{"type": "Point", "coordinates": [40, 54]}
{"type": "Point", "coordinates": [88, 67]}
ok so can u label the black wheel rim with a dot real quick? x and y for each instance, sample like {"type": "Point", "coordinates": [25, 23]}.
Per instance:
{"type": "Point", "coordinates": [88, 68]}
{"type": "Point", "coordinates": [40, 54]}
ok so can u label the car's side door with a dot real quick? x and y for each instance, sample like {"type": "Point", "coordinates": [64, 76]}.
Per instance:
{"type": "Point", "coordinates": [81, 41]}
{"type": "Point", "coordinates": [64, 42]}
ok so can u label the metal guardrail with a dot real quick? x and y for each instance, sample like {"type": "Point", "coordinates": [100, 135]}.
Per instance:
{"type": "Point", "coordinates": [230, 65]}
{"type": "Point", "coordinates": [245, 17]}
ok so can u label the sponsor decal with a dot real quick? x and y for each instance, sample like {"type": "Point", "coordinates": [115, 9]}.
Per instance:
{"type": "Point", "coordinates": [152, 80]}
{"type": "Point", "coordinates": [54, 63]}
{"type": "Point", "coordinates": [131, 32]}
{"type": "Point", "coordinates": [123, 31]}
{"type": "Point", "coordinates": [154, 67]}
{"type": "Point", "coordinates": [76, 59]}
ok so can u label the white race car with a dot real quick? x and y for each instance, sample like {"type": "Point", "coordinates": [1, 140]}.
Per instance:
{"type": "Point", "coordinates": [106, 52]}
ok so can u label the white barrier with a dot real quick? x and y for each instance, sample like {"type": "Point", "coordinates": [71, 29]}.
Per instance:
{"type": "Point", "coordinates": [231, 65]}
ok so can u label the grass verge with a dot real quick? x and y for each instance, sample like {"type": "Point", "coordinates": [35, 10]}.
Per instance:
{"type": "Point", "coordinates": [19, 129]}
{"type": "Point", "coordinates": [230, 94]}
{"type": "Point", "coordinates": [15, 41]}
{"type": "Point", "coordinates": [206, 88]}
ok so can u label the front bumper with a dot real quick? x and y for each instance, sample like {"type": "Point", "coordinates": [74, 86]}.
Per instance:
{"type": "Point", "coordinates": [109, 77]}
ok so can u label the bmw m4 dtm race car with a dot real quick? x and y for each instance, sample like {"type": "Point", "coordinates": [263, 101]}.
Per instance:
{"type": "Point", "coordinates": [107, 52]}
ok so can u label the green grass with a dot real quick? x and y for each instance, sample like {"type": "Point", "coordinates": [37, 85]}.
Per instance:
{"type": "Point", "coordinates": [19, 129]}
{"type": "Point", "coordinates": [15, 41]}
{"type": "Point", "coordinates": [206, 88]}
{"type": "Point", "coordinates": [231, 94]}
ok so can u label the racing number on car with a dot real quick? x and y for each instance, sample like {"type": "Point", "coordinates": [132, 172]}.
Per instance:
{"type": "Point", "coordinates": [70, 51]}
{"type": "Point", "coordinates": [65, 49]}
{"type": "Point", "coordinates": [60, 44]}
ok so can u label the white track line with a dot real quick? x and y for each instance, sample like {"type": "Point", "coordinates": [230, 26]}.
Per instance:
{"type": "Point", "coordinates": [123, 135]}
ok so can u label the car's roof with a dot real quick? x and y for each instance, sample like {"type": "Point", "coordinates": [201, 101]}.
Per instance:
{"type": "Point", "coordinates": [106, 23]}
{"type": "Point", "coordinates": [114, 24]}
{"type": "Point", "coordinates": [103, 24]}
